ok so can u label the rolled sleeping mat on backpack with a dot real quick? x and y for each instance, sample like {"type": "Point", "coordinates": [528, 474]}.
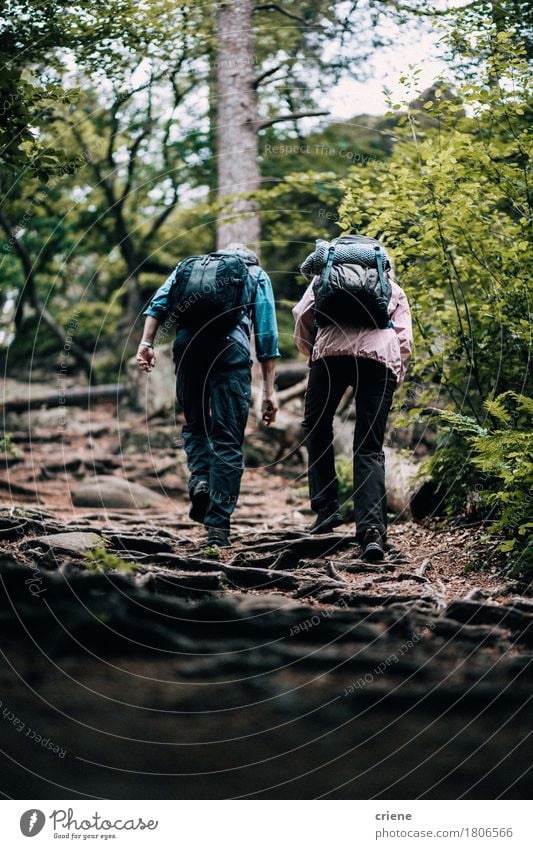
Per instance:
{"type": "Point", "coordinates": [355, 250]}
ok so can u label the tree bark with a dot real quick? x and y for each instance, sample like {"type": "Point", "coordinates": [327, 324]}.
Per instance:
{"type": "Point", "coordinates": [237, 123]}
{"type": "Point", "coordinates": [71, 398]}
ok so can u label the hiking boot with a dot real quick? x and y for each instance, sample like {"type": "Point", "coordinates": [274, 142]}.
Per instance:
{"type": "Point", "coordinates": [372, 545]}
{"type": "Point", "coordinates": [218, 537]}
{"type": "Point", "coordinates": [200, 501]}
{"type": "Point", "coordinates": [327, 519]}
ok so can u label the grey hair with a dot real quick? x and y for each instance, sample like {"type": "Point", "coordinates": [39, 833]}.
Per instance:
{"type": "Point", "coordinates": [247, 254]}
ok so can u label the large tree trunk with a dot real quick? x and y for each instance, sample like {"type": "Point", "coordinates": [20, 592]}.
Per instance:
{"type": "Point", "coordinates": [237, 123]}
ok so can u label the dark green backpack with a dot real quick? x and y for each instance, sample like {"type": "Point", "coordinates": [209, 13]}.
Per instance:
{"type": "Point", "coordinates": [209, 292]}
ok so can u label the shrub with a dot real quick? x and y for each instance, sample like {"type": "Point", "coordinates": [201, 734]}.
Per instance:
{"type": "Point", "coordinates": [8, 447]}
{"type": "Point", "coordinates": [491, 470]}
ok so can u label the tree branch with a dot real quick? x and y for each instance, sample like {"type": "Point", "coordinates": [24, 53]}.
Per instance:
{"type": "Point", "coordinates": [158, 222]}
{"type": "Point", "coordinates": [95, 166]}
{"type": "Point", "coordinates": [154, 266]}
{"type": "Point", "coordinates": [259, 79]}
{"type": "Point", "coordinates": [428, 12]}
{"type": "Point", "coordinates": [275, 7]}
{"type": "Point", "coordinates": [292, 116]}
{"type": "Point", "coordinates": [132, 159]}
{"type": "Point", "coordinates": [121, 98]}
{"type": "Point", "coordinates": [134, 149]}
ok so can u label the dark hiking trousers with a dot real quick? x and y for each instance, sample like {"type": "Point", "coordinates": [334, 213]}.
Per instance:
{"type": "Point", "coordinates": [374, 386]}
{"type": "Point", "coordinates": [213, 385]}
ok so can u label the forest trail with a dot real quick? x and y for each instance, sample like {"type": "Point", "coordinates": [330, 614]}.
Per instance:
{"type": "Point", "coordinates": [247, 656]}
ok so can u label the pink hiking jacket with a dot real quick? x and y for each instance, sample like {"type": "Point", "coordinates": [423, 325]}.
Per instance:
{"type": "Point", "coordinates": [391, 346]}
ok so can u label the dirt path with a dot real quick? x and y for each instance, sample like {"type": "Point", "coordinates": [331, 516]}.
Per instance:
{"type": "Point", "coordinates": [284, 667]}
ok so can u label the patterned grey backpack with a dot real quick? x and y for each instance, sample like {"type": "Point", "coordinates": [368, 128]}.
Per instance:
{"type": "Point", "coordinates": [350, 282]}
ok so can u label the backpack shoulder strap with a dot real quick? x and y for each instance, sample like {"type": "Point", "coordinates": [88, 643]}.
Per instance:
{"type": "Point", "coordinates": [327, 267]}
{"type": "Point", "coordinates": [380, 264]}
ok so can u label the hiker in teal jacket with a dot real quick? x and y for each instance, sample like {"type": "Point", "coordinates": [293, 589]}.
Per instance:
{"type": "Point", "coordinates": [213, 384]}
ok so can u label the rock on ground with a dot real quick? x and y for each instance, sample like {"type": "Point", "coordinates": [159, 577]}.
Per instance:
{"type": "Point", "coordinates": [73, 543]}
{"type": "Point", "coordinates": [113, 492]}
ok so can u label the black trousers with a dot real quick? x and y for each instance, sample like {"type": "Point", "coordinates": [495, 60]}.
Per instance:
{"type": "Point", "coordinates": [374, 386]}
{"type": "Point", "coordinates": [213, 384]}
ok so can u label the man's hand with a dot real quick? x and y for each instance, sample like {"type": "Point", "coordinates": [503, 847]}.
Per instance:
{"type": "Point", "coordinates": [145, 358]}
{"type": "Point", "coordinates": [269, 408]}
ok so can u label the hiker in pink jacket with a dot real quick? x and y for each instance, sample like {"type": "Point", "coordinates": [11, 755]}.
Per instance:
{"type": "Point", "coordinates": [374, 361]}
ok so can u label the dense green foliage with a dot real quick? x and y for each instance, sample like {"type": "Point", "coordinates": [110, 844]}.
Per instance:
{"type": "Point", "coordinates": [454, 207]}
{"type": "Point", "coordinates": [35, 38]}
{"type": "Point", "coordinates": [494, 465]}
